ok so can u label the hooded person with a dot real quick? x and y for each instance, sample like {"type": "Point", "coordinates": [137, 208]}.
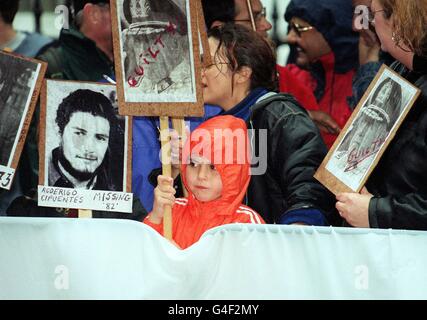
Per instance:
{"type": "Point", "coordinates": [216, 173]}
{"type": "Point", "coordinates": [326, 61]}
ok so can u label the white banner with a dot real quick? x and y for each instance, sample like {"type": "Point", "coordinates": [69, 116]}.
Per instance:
{"type": "Point", "coordinates": [85, 199]}
{"type": "Point", "coordinates": [54, 258]}
{"type": "Point", "coordinates": [6, 177]}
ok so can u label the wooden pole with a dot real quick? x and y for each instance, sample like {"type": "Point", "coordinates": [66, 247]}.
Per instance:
{"type": "Point", "coordinates": [83, 213]}
{"type": "Point", "coordinates": [166, 171]}
{"type": "Point", "coordinates": [251, 14]}
{"type": "Point", "coordinates": [201, 25]}
{"type": "Point", "coordinates": [179, 125]}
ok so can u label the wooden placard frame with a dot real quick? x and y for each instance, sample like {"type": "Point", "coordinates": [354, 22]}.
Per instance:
{"type": "Point", "coordinates": [171, 109]}
{"type": "Point", "coordinates": [206, 56]}
{"type": "Point", "coordinates": [330, 180]}
{"type": "Point", "coordinates": [42, 135]}
{"type": "Point", "coordinates": [31, 108]}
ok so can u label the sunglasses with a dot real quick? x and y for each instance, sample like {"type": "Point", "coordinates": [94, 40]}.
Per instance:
{"type": "Point", "coordinates": [299, 30]}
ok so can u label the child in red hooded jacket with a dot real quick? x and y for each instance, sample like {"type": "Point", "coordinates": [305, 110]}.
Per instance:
{"type": "Point", "coordinates": [216, 173]}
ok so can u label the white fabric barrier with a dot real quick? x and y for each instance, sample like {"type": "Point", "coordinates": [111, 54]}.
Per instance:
{"type": "Point", "coordinates": [121, 259]}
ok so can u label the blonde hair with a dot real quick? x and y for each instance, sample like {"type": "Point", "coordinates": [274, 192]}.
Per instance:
{"type": "Point", "coordinates": [409, 23]}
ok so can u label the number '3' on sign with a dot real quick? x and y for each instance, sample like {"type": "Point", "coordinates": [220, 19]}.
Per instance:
{"type": "Point", "coordinates": [6, 177]}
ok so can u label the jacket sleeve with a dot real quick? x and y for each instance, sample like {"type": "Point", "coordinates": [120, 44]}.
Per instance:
{"type": "Point", "coordinates": [361, 81]}
{"type": "Point", "coordinates": [403, 212]}
{"type": "Point", "coordinates": [246, 214]}
{"type": "Point", "coordinates": [157, 227]}
{"type": "Point", "coordinates": [296, 151]}
{"type": "Point", "coordinates": [145, 158]}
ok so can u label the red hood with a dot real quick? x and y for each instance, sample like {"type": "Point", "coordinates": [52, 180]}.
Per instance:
{"type": "Point", "coordinates": [209, 140]}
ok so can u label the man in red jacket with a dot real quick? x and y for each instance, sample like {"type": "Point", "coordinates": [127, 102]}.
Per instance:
{"type": "Point", "coordinates": [327, 57]}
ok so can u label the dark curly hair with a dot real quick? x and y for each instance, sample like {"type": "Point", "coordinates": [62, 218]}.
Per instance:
{"type": "Point", "coordinates": [245, 48]}
{"type": "Point", "coordinates": [88, 101]}
{"type": "Point", "coordinates": [223, 11]}
{"type": "Point", "coordinates": [8, 10]}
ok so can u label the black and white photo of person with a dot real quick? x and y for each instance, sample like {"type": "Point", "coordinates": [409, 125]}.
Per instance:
{"type": "Point", "coordinates": [373, 125]}
{"type": "Point", "coordinates": [17, 82]}
{"type": "Point", "coordinates": [370, 130]}
{"type": "Point", "coordinates": [90, 150]}
{"type": "Point", "coordinates": [156, 50]}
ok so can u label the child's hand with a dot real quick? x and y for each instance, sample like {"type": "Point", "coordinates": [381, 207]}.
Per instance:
{"type": "Point", "coordinates": [163, 196]}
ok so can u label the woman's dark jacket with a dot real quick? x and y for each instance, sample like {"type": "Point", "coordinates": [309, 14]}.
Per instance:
{"type": "Point", "coordinates": [399, 182]}
{"type": "Point", "coordinates": [295, 150]}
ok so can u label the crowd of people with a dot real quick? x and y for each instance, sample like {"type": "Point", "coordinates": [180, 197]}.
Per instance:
{"type": "Point", "coordinates": [338, 46]}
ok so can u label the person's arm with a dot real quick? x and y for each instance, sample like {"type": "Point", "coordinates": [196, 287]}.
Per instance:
{"type": "Point", "coordinates": [163, 196]}
{"type": "Point", "coordinates": [246, 214]}
{"type": "Point", "coordinates": [369, 61]}
{"type": "Point", "coordinates": [145, 158]}
{"type": "Point", "coordinates": [400, 212]}
{"type": "Point", "coordinates": [354, 208]}
{"type": "Point", "coordinates": [361, 81]}
{"type": "Point", "coordinates": [369, 47]}
{"type": "Point", "coordinates": [324, 121]}
{"type": "Point", "coordinates": [297, 150]}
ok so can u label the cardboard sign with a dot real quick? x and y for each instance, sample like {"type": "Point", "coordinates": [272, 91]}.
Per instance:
{"type": "Point", "coordinates": [89, 199]}
{"type": "Point", "coordinates": [368, 132]}
{"type": "Point", "coordinates": [157, 57]}
{"type": "Point", "coordinates": [20, 82]}
{"type": "Point", "coordinates": [85, 148]}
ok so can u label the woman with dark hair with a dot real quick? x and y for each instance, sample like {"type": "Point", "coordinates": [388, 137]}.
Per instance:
{"type": "Point", "coordinates": [242, 80]}
{"type": "Point", "coordinates": [396, 194]}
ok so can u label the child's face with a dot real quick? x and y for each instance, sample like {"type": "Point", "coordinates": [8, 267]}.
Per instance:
{"type": "Point", "coordinates": [203, 180]}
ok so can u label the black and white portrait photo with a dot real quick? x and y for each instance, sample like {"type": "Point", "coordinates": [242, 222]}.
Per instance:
{"type": "Point", "coordinates": [18, 79]}
{"type": "Point", "coordinates": [85, 139]}
{"type": "Point", "coordinates": [155, 50]}
{"type": "Point", "coordinates": [156, 53]}
{"type": "Point", "coordinates": [372, 126]}
{"type": "Point", "coordinates": [367, 133]}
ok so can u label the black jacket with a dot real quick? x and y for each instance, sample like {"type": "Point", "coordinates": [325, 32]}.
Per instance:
{"type": "Point", "coordinates": [295, 150]}
{"type": "Point", "coordinates": [399, 182]}
{"type": "Point", "coordinates": [75, 57]}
